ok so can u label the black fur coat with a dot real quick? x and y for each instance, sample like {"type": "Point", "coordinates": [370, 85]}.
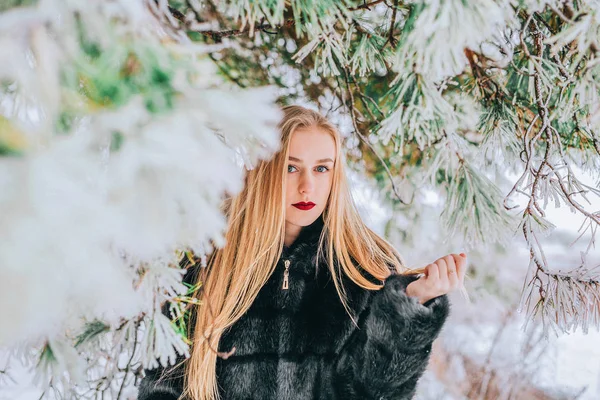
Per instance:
{"type": "Point", "coordinates": [300, 343]}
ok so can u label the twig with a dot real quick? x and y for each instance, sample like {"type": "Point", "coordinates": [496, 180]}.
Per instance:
{"type": "Point", "coordinates": [391, 38]}
{"type": "Point", "coordinates": [179, 16]}
{"type": "Point", "coordinates": [128, 366]}
{"type": "Point", "coordinates": [218, 35]}
{"type": "Point", "coordinates": [568, 195]}
{"type": "Point", "coordinates": [366, 6]}
{"type": "Point", "coordinates": [596, 145]}
{"type": "Point", "coordinates": [481, 78]}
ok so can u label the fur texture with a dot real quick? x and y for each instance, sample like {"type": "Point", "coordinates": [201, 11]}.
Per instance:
{"type": "Point", "coordinates": [301, 344]}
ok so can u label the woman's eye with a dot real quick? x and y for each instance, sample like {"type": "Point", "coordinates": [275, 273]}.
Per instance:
{"type": "Point", "coordinates": [320, 168]}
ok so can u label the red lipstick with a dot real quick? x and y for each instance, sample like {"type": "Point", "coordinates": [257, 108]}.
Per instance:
{"type": "Point", "coordinates": [304, 206]}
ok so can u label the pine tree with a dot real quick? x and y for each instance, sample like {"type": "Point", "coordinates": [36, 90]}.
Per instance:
{"type": "Point", "coordinates": [116, 115]}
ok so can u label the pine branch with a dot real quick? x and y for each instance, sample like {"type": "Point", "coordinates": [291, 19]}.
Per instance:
{"type": "Point", "coordinates": [366, 141]}
{"type": "Point", "coordinates": [218, 36]}
{"type": "Point", "coordinates": [567, 299]}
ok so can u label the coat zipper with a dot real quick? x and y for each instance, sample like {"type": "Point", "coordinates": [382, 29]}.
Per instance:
{"type": "Point", "coordinates": [286, 275]}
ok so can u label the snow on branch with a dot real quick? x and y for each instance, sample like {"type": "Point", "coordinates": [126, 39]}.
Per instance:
{"type": "Point", "coordinates": [118, 141]}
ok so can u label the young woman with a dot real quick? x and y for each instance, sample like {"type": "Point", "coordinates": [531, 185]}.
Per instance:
{"type": "Point", "coordinates": [305, 301]}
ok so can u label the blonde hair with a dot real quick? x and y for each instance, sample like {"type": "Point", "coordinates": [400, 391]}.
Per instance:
{"type": "Point", "coordinates": [254, 242]}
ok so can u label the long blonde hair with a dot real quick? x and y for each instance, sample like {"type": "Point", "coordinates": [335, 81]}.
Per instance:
{"type": "Point", "coordinates": [254, 242]}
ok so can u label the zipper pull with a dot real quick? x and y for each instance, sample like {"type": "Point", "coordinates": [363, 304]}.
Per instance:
{"type": "Point", "coordinates": [286, 275]}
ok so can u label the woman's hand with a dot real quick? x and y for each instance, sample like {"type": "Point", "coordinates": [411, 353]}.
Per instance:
{"type": "Point", "coordinates": [443, 276]}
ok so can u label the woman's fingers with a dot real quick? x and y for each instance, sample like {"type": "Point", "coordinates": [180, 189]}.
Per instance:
{"type": "Point", "coordinates": [441, 277]}
{"type": "Point", "coordinates": [442, 283]}
{"type": "Point", "coordinates": [433, 273]}
{"type": "Point", "coordinates": [453, 280]}
{"type": "Point", "coordinates": [461, 266]}
{"type": "Point", "coordinates": [450, 265]}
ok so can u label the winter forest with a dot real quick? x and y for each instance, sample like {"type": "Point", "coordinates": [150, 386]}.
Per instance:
{"type": "Point", "coordinates": [469, 125]}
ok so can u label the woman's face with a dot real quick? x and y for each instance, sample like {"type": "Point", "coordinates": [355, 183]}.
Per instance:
{"type": "Point", "coordinates": [309, 177]}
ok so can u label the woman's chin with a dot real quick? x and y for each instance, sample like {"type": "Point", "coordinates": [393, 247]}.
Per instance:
{"type": "Point", "coordinates": [307, 218]}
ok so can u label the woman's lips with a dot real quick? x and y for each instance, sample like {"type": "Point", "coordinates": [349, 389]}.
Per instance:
{"type": "Point", "coordinates": [304, 206]}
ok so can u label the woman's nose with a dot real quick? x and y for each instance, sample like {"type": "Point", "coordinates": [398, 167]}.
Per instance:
{"type": "Point", "coordinates": [306, 184]}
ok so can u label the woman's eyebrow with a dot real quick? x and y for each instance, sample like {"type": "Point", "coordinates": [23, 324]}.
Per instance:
{"type": "Point", "coordinates": [318, 161]}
